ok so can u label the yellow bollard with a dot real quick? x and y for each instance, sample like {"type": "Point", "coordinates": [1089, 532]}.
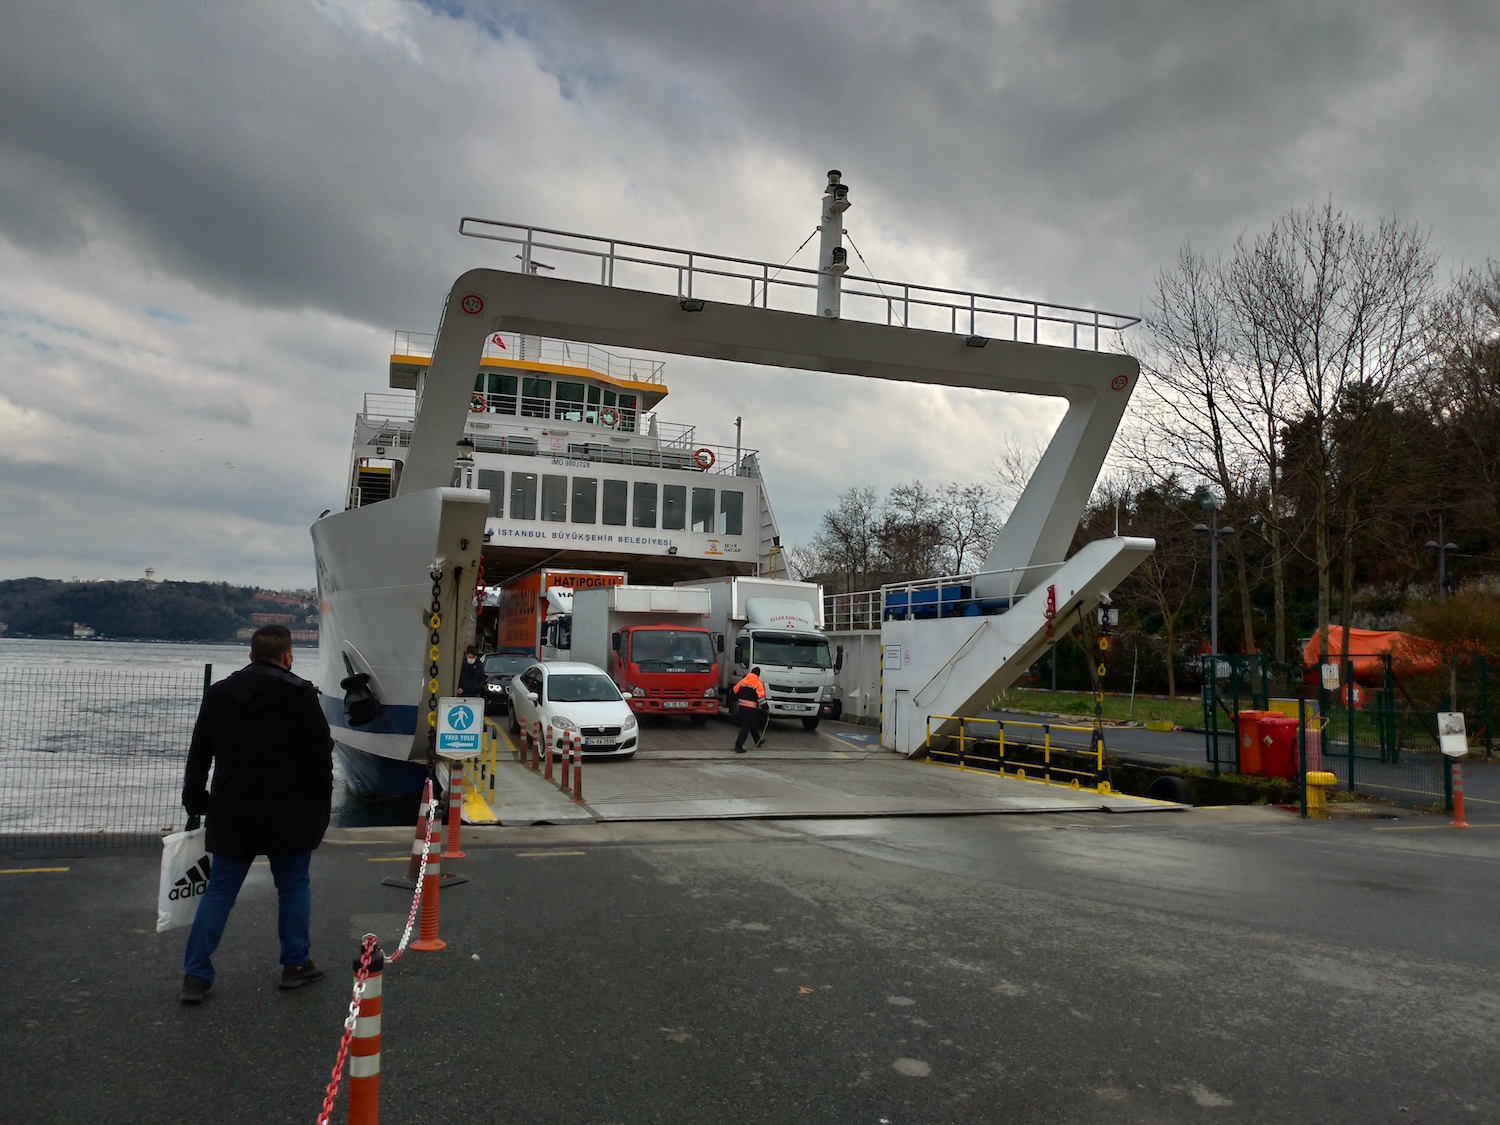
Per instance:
{"type": "Point", "coordinates": [1318, 784]}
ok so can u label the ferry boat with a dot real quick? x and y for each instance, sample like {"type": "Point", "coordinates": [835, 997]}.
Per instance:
{"type": "Point", "coordinates": [526, 433]}
{"type": "Point", "coordinates": [566, 459]}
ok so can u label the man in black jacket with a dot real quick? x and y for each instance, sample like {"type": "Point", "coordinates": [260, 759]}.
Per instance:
{"type": "Point", "coordinates": [264, 732]}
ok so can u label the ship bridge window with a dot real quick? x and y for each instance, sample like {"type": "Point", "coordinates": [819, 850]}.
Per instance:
{"type": "Point", "coordinates": [554, 498]}
{"type": "Point", "coordinates": [585, 498]}
{"type": "Point", "coordinates": [703, 510]}
{"type": "Point", "coordinates": [536, 397]}
{"type": "Point", "coordinates": [627, 414]}
{"type": "Point", "coordinates": [616, 499]}
{"type": "Point", "coordinates": [643, 511]}
{"type": "Point", "coordinates": [523, 496]}
{"type": "Point", "coordinates": [569, 402]}
{"type": "Point", "coordinates": [591, 413]}
{"type": "Point", "coordinates": [732, 513]}
{"type": "Point", "coordinates": [494, 480]}
{"type": "Point", "coordinates": [673, 507]}
{"type": "Point", "coordinates": [499, 392]}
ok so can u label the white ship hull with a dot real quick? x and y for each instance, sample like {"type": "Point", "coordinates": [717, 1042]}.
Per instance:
{"type": "Point", "coordinates": [375, 592]}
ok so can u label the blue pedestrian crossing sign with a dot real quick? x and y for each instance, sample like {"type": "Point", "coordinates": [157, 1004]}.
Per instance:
{"type": "Point", "coordinates": [460, 722]}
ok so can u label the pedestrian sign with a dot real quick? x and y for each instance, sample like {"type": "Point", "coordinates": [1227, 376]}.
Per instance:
{"type": "Point", "coordinates": [460, 723]}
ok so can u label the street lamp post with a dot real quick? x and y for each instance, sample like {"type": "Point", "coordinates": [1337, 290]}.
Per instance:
{"type": "Point", "coordinates": [1206, 499]}
{"type": "Point", "coordinates": [1442, 548]}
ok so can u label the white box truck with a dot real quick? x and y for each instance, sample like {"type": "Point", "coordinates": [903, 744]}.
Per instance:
{"type": "Point", "coordinates": [655, 645]}
{"type": "Point", "coordinates": [777, 626]}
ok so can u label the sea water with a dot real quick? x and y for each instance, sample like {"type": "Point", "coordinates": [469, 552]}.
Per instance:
{"type": "Point", "coordinates": [94, 735]}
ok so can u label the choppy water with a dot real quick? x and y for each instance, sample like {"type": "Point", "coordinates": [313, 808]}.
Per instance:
{"type": "Point", "coordinates": [94, 736]}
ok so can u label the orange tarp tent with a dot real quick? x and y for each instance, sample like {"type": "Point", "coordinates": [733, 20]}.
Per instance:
{"type": "Point", "coordinates": [1368, 646]}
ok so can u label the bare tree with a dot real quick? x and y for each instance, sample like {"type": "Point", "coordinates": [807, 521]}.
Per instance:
{"type": "Point", "coordinates": [1348, 304]}
{"type": "Point", "coordinates": [967, 523]}
{"type": "Point", "coordinates": [848, 538]}
{"type": "Point", "coordinates": [1194, 380]}
{"type": "Point", "coordinates": [910, 531]}
{"type": "Point", "coordinates": [1013, 466]}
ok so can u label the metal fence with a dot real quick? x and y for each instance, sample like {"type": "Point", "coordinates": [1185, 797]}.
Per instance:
{"type": "Point", "coordinates": [1375, 729]}
{"type": "Point", "coordinates": [94, 754]}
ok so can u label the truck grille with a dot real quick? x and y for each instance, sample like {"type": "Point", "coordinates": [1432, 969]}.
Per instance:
{"type": "Point", "coordinates": [787, 689]}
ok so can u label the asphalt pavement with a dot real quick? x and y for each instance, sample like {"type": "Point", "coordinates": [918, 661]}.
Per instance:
{"type": "Point", "coordinates": [1209, 965]}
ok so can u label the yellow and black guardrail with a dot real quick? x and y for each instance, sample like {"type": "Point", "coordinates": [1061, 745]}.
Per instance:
{"type": "Point", "coordinates": [981, 746]}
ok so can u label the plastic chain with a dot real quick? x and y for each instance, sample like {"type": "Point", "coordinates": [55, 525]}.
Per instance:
{"type": "Point", "coordinates": [366, 952]}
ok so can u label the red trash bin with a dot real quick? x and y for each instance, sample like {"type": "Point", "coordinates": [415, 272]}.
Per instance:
{"type": "Point", "coordinates": [1278, 746]}
{"type": "Point", "coordinates": [1249, 741]}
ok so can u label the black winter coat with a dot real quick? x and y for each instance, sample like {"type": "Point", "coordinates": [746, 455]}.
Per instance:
{"type": "Point", "coordinates": [264, 731]}
{"type": "Point", "coordinates": [471, 678]}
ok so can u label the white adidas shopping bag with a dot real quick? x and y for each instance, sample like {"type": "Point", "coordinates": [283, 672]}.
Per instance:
{"type": "Point", "coordinates": [184, 875]}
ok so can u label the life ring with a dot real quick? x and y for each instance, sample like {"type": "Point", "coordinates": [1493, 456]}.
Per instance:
{"type": "Point", "coordinates": [704, 457]}
{"type": "Point", "coordinates": [477, 403]}
{"type": "Point", "coordinates": [609, 416]}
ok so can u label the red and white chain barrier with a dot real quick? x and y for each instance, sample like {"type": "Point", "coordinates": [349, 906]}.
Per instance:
{"type": "Point", "coordinates": [362, 1024]}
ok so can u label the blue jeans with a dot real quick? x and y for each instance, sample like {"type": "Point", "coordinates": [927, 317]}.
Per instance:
{"type": "Point", "coordinates": [293, 913]}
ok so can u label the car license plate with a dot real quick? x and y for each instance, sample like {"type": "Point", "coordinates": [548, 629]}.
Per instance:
{"type": "Point", "coordinates": [681, 704]}
{"type": "Point", "coordinates": [598, 741]}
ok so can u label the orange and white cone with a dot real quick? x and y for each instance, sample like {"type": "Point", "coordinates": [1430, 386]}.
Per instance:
{"type": "Point", "coordinates": [427, 938]}
{"type": "Point", "coordinates": [455, 809]}
{"type": "Point", "coordinates": [414, 866]}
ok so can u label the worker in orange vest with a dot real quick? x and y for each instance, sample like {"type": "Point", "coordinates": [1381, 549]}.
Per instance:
{"type": "Point", "coordinates": [750, 694]}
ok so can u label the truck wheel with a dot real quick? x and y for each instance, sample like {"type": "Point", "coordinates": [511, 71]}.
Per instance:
{"type": "Point", "coordinates": [699, 720]}
{"type": "Point", "coordinates": [809, 724]}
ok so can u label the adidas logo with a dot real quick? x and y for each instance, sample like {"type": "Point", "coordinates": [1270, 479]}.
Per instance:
{"type": "Point", "coordinates": [191, 885]}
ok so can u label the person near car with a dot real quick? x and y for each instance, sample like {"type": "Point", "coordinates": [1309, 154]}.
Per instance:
{"type": "Point", "coordinates": [750, 694]}
{"type": "Point", "coordinates": [471, 675]}
{"type": "Point", "coordinates": [263, 732]}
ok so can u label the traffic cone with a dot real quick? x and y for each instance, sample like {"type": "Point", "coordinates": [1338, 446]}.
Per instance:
{"type": "Point", "coordinates": [427, 938]}
{"type": "Point", "coordinates": [455, 808]}
{"type": "Point", "coordinates": [577, 771]}
{"type": "Point", "coordinates": [549, 752]}
{"type": "Point", "coordinates": [567, 765]}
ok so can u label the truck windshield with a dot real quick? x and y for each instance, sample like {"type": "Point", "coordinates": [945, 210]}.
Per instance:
{"type": "Point", "coordinates": [668, 650]}
{"type": "Point", "coordinates": [792, 651]}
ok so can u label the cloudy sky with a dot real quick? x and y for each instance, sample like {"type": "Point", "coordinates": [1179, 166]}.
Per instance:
{"type": "Point", "coordinates": [212, 216]}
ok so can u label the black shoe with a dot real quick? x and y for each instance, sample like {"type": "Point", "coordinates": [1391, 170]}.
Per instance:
{"type": "Point", "coordinates": [194, 989]}
{"type": "Point", "coordinates": [295, 976]}
{"type": "Point", "coordinates": [739, 749]}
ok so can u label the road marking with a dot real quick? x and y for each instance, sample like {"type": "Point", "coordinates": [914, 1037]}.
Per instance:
{"type": "Point", "coordinates": [1428, 827]}
{"type": "Point", "coordinates": [30, 870]}
{"type": "Point", "coordinates": [545, 855]}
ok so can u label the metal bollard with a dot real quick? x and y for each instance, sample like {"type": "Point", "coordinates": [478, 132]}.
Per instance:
{"type": "Point", "coordinates": [549, 752]}
{"type": "Point", "coordinates": [567, 765]}
{"type": "Point", "coordinates": [364, 1048]}
{"type": "Point", "coordinates": [455, 808]}
{"type": "Point", "coordinates": [427, 939]}
{"type": "Point", "coordinates": [578, 771]}
{"type": "Point", "coordinates": [536, 748]}
{"type": "Point", "coordinates": [1319, 782]}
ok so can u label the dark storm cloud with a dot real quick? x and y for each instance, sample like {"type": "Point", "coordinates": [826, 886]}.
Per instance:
{"type": "Point", "coordinates": [264, 189]}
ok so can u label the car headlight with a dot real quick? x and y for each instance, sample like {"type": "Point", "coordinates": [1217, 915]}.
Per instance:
{"type": "Point", "coordinates": [638, 691]}
{"type": "Point", "coordinates": [710, 692]}
{"type": "Point", "coordinates": [630, 722]}
{"type": "Point", "coordinates": [562, 722]}
{"type": "Point", "coordinates": [493, 687]}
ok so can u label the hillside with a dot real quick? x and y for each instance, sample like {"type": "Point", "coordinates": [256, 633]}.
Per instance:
{"type": "Point", "coordinates": [155, 611]}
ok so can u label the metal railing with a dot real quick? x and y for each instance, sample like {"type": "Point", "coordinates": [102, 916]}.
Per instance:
{"type": "Point", "coordinates": [692, 275]}
{"type": "Point", "coordinates": [544, 349]}
{"type": "Point", "coordinates": [951, 594]}
{"type": "Point", "coordinates": [991, 753]}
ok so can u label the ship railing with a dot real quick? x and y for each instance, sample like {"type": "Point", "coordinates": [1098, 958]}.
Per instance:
{"type": "Point", "coordinates": [949, 595]}
{"type": "Point", "coordinates": [694, 276]}
{"type": "Point", "coordinates": [394, 406]}
{"type": "Point", "coordinates": [545, 349]}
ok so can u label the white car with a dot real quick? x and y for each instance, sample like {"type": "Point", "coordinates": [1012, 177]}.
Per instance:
{"type": "Point", "coordinates": [579, 701]}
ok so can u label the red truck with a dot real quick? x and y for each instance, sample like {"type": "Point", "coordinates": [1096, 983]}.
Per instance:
{"type": "Point", "coordinates": [652, 642]}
